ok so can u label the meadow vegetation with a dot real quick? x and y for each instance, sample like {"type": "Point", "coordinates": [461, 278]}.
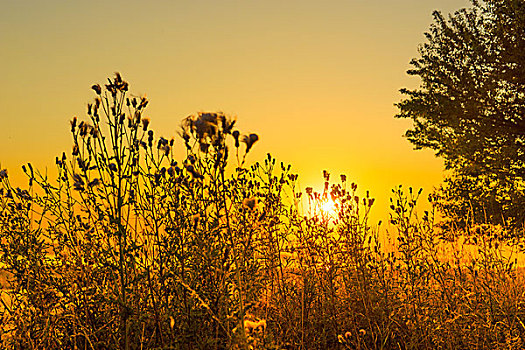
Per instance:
{"type": "Point", "coordinates": [132, 248]}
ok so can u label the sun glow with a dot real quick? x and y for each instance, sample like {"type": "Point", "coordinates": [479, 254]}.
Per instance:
{"type": "Point", "coordinates": [328, 208]}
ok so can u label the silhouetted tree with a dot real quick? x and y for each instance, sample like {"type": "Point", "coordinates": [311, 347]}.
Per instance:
{"type": "Point", "coordinates": [470, 109]}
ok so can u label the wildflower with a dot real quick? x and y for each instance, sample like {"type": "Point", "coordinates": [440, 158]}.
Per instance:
{"type": "Point", "coordinates": [205, 125]}
{"type": "Point", "coordinates": [150, 138]}
{"type": "Point", "coordinates": [84, 129]}
{"type": "Point", "coordinates": [112, 167]}
{"type": "Point", "coordinates": [235, 135]}
{"type": "Point", "coordinates": [143, 103]}
{"type": "Point", "coordinates": [249, 141]}
{"type": "Point", "coordinates": [138, 116]}
{"type": "Point", "coordinates": [119, 83]}
{"type": "Point", "coordinates": [111, 88]}
{"type": "Point", "coordinates": [227, 125]}
{"type": "Point", "coordinates": [343, 178]}
{"type": "Point", "coordinates": [3, 174]}
{"type": "Point", "coordinates": [97, 89]}
{"type": "Point", "coordinates": [212, 118]}
{"type": "Point", "coordinates": [94, 132]}
{"type": "Point", "coordinates": [145, 123]}
{"type": "Point", "coordinates": [118, 77]}
{"type": "Point", "coordinates": [73, 124]}
{"type": "Point", "coordinates": [249, 203]}
{"type": "Point", "coordinates": [362, 332]}
{"type": "Point", "coordinates": [185, 136]}
{"type": "Point", "coordinates": [309, 191]}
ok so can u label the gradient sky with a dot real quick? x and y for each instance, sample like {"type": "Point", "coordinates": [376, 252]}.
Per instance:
{"type": "Point", "coordinates": [317, 80]}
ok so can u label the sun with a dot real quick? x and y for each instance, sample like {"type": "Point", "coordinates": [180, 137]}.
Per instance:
{"type": "Point", "coordinates": [328, 208]}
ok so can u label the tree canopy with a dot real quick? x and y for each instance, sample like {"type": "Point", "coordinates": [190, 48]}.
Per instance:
{"type": "Point", "coordinates": [470, 108]}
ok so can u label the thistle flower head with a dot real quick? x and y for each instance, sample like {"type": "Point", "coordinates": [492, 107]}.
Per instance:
{"type": "Point", "coordinates": [145, 123]}
{"type": "Point", "coordinates": [143, 103]}
{"type": "Point", "coordinates": [205, 125]}
{"type": "Point", "coordinates": [236, 135]}
{"type": "Point", "coordinates": [73, 124]}
{"type": "Point", "coordinates": [119, 83]}
{"type": "Point", "coordinates": [97, 89]}
{"type": "Point", "coordinates": [249, 140]}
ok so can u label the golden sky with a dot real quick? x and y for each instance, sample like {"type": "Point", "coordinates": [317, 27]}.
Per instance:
{"type": "Point", "coordinates": [316, 80]}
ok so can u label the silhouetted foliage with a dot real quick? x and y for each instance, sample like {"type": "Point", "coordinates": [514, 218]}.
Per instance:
{"type": "Point", "coordinates": [129, 248]}
{"type": "Point", "coordinates": [470, 109]}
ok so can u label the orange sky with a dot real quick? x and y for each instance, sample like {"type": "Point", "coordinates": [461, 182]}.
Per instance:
{"type": "Point", "coordinates": [316, 80]}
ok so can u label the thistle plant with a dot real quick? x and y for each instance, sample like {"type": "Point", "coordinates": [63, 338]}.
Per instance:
{"type": "Point", "coordinates": [142, 241]}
